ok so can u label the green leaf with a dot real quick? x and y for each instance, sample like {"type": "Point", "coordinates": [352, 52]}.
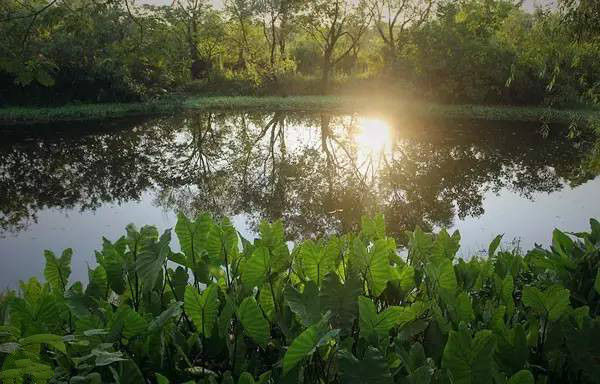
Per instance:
{"type": "Point", "coordinates": [266, 301]}
{"type": "Point", "coordinates": [256, 268]}
{"type": "Point", "coordinates": [305, 305]}
{"type": "Point", "coordinates": [159, 322]}
{"type": "Point", "coordinates": [104, 358]}
{"type": "Point", "coordinates": [444, 246]}
{"type": "Point", "coordinates": [253, 321]}
{"type": "Point", "coordinates": [54, 341]}
{"type": "Point", "coordinates": [113, 262]}
{"type": "Point", "coordinates": [469, 361]}
{"type": "Point", "coordinates": [192, 236]}
{"type": "Point", "coordinates": [373, 368]}
{"type": "Point", "coordinates": [57, 270]}
{"type": "Point", "coordinates": [522, 377]}
{"type": "Point", "coordinates": [316, 262]}
{"type": "Point", "coordinates": [160, 379]}
{"type": "Point", "coordinates": [442, 274]}
{"type": "Point", "coordinates": [305, 344]}
{"type": "Point", "coordinates": [340, 299]}
{"type": "Point", "coordinates": [202, 308]}
{"type": "Point", "coordinates": [373, 324]}
{"type": "Point", "coordinates": [553, 303]}
{"type": "Point", "coordinates": [128, 322]}
{"type": "Point", "coordinates": [98, 285]}
{"type": "Point", "coordinates": [379, 273]}
{"type": "Point", "coordinates": [151, 259]}
{"type": "Point", "coordinates": [494, 245]}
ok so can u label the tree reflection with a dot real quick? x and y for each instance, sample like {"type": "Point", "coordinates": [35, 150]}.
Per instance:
{"type": "Point", "coordinates": [307, 169]}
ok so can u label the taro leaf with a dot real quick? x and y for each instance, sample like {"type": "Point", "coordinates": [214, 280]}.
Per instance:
{"type": "Point", "coordinates": [522, 377]}
{"type": "Point", "coordinates": [222, 243]}
{"type": "Point", "coordinates": [90, 378]}
{"type": "Point", "coordinates": [316, 261]}
{"type": "Point", "coordinates": [379, 273]}
{"type": "Point", "coordinates": [305, 305]}
{"type": "Point", "coordinates": [340, 299]}
{"type": "Point", "coordinates": [104, 358]}
{"type": "Point", "coordinates": [469, 361]}
{"type": "Point", "coordinates": [98, 285]}
{"type": "Point", "coordinates": [373, 228]}
{"type": "Point", "coordinates": [114, 263]}
{"type": "Point", "coordinates": [371, 369]}
{"type": "Point", "coordinates": [305, 344]}
{"type": "Point", "coordinates": [552, 303]}
{"type": "Point", "coordinates": [265, 299]}
{"type": "Point", "coordinates": [151, 259]}
{"type": "Point", "coordinates": [375, 325]}
{"type": "Point", "coordinates": [57, 270]}
{"type": "Point", "coordinates": [128, 373]}
{"type": "Point", "coordinates": [506, 293]}
{"type": "Point", "coordinates": [192, 236]}
{"type": "Point", "coordinates": [179, 279]}
{"type": "Point", "coordinates": [202, 308]}
{"type": "Point", "coordinates": [256, 268]}
{"type": "Point", "coordinates": [160, 379]}
{"type": "Point", "coordinates": [442, 273]}
{"type": "Point", "coordinates": [512, 350]}
{"type": "Point", "coordinates": [51, 340]}
{"type": "Point", "coordinates": [159, 321]}
{"type": "Point", "coordinates": [128, 322]}
{"type": "Point", "coordinates": [494, 245]}
{"type": "Point", "coordinates": [253, 321]}
{"type": "Point", "coordinates": [445, 246]}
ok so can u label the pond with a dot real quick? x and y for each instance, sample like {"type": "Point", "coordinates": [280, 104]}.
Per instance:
{"type": "Point", "coordinates": [67, 185]}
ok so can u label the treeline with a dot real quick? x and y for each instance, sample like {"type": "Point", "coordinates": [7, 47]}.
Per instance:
{"type": "Point", "coordinates": [470, 51]}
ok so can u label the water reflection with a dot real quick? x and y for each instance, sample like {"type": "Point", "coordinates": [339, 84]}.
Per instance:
{"type": "Point", "coordinates": [319, 172]}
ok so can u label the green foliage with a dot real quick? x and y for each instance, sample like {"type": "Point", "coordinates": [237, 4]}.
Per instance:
{"type": "Point", "coordinates": [344, 309]}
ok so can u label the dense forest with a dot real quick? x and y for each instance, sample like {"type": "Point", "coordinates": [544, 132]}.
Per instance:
{"type": "Point", "coordinates": [462, 51]}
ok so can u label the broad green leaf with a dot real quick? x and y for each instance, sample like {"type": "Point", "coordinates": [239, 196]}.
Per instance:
{"type": "Point", "coordinates": [128, 322]}
{"type": "Point", "coordinates": [202, 308]}
{"type": "Point", "coordinates": [373, 228]}
{"type": "Point", "coordinates": [160, 379]}
{"type": "Point", "coordinates": [54, 341]}
{"type": "Point", "coordinates": [151, 259]}
{"type": "Point", "coordinates": [305, 344]}
{"type": "Point", "coordinates": [192, 236]}
{"type": "Point", "coordinates": [340, 299]}
{"type": "Point", "coordinates": [58, 270]}
{"type": "Point", "coordinates": [378, 273]}
{"type": "Point", "coordinates": [522, 377]}
{"type": "Point", "coordinates": [373, 324]}
{"type": "Point", "coordinates": [469, 361]}
{"type": "Point", "coordinates": [253, 321]}
{"type": "Point", "coordinates": [305, 305]}
{"type": "Point", "coordinates": [104, 358]}
{"type": "Point", "coordinates": [552, 303]}
{"type": "Point", "coordinates": [373, 368]}
{"type": "Point", "coordinates": [316, 262]}
{"type": "Point", "coordinates": [444, 246]}
{"type": "Point", "coordinates": [266, 301]}
{"type": "Point", "coordinates": [174, 310]}
{"type": "Point", "coordinates": [98, 285]}
{"type": "Point", "coordinates": [494, 245]}
{"type": "Point", "coordinates": [113, 262]}
{"type": "Point", "coordinates": [443, 276]}
{"type": "Point", "coordinates": [506, 293]}
{"type": "Point", "coordinates": [256, 268]}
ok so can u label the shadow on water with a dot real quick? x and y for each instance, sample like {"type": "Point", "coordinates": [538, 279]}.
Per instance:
{"type": "Point", "coordinates": [318, 172]}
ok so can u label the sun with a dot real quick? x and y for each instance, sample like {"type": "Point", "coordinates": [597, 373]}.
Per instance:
{"type": "Point", "coordinates": [373, 134]}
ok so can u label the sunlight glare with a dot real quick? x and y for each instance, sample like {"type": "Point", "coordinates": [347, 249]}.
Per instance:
{"type": "Point", "coordinates": [373, 134]}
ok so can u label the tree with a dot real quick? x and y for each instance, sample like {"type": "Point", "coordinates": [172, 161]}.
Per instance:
{"type": "Point", "coordinates": [337, 26]}
{"type": "Point", "coordinates": [394, 17]}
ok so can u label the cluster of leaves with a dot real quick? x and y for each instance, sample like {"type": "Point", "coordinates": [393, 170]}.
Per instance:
{"type": "Point", "coordinates": [343, 309]}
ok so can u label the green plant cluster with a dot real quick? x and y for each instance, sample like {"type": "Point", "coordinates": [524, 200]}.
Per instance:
{"type": "Point", "coordinates": [341, 309]}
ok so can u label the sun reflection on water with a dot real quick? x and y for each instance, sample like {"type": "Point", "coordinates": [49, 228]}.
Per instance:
{"type": "Point", "coordinates": [374, 135]}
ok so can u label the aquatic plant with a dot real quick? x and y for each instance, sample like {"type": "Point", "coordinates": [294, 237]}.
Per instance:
{"type": "Point", "coordinates": [340, 309]}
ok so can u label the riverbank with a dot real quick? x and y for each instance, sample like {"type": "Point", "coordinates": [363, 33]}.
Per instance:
{"type": "Point", "coordinates": [336, 104]}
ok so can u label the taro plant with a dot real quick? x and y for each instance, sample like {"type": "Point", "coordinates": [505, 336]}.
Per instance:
{"type": "Point", "coordinates": [338, 309]}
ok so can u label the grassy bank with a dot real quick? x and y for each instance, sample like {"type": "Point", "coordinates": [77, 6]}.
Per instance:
{"type": "Point", "coordinates": [16, 115]}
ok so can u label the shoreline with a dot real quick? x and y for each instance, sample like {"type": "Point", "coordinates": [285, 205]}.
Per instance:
{"type": "Point", "coordinates": [335, 104]}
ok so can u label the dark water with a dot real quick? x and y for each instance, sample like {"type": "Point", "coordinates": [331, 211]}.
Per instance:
{"type": "Point", "coordinates": [67, 185]}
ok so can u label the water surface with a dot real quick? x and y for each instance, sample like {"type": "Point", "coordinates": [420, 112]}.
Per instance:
{"type": "Point", "coordinates": [66, 185]}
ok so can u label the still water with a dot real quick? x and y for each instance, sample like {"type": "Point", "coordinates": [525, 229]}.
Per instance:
{"type": "Point", "coordinates": [67, 185]}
